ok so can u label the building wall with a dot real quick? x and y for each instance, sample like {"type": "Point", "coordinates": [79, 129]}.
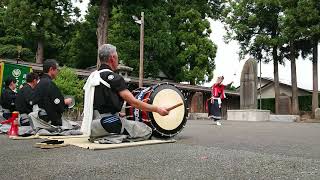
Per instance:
{"type": "Point", "coordinates": [268, 92]}
{"type": "Point", "coordinates": [263, 82]}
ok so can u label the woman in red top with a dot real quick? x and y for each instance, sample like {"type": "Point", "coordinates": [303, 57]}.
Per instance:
{"type": "Point", "coordinates": [214, 103]}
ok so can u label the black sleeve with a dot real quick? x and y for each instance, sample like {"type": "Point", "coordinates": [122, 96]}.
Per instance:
{"type": "Point", "coordinates": [12, 98]}
{"type": "Point", "coordinates": [28, 95]}
{"type": "Point", "coordinates": [56, 98]}
{"type": "Point", "coordinates": [8, 100]}
{"type": "Point", "coordinates": [36, 95]}
{"type": "Point", "coordinates": [116, 82]}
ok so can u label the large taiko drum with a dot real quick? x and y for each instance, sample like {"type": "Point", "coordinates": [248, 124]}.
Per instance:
{"type": "Point", "coordinates": [163, 95]}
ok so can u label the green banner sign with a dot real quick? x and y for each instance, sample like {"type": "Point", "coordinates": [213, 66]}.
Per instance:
{"type": "Point", "coordinates": [19, 72]}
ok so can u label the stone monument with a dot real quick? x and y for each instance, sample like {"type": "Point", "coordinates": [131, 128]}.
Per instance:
{"type": "Point", "coordinates": [248, 96]}
{"type": "Point", "coordinates": [248, 85]}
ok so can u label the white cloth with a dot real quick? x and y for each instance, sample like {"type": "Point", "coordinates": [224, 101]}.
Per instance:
{"type": "Point", "coordinates": [215, 98]}
{"type": "Point", "coordinates": [93, 80]}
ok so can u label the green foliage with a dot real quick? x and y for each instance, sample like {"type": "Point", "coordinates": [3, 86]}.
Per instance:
{"type": "Point", "coordinates": [81, 50]}
{"type": "Point", "coordinates": [12, 52]}
{"type": "Point", "coordinates": [231, 88]}
{"type": "Point", "coordinates": [261, 26]}
{"type": "Point", "coordinates": [41, 20]}
{"type": "Point", "coordinates": [69, 84]}
{"type": "Point", "coordinates": [305, 103]}
{"type": "Point", "coordinates": [176, 38]}
{"type": "Point", "coordinates": [176, 34]}
{"type": "Point", "coordinates": [267, 104]}
{"type": "Point", "coordinates": [254, 24]}
{"type": "Point", "coordinates": [300, 24]}
{"type": "Point", "coordinates": [12, 43]}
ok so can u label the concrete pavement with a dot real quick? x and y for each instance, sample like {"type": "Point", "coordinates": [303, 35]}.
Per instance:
{"type": "Point", "coordinates": [235, 150]}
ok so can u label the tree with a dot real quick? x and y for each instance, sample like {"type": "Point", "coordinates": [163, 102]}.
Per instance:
{"type": "Point", "coordinates": [103, 20]}
{"type": "Point", "coordinates": [102, 24]}
{"type": "Point", "coordinates": [81, 49]}
{"type": "Point", "coordinates": [176, 38]}
{"type": "Point", "coordinates": [254, 24]}
{"type": "Point", "coordinates": [170, 44]}
{"type": "Point", "coordinates": [291, 32]}
{"type": "Point", "coordinates": [40, 20]}
{"type": "Point", "coordinates": [309, 15]}
{"type": "Point", "coordinates": [12, 43]}
{"type": "Point", "coordinates": [196, 52]}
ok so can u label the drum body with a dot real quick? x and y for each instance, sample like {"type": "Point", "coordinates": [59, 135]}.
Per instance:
{"type": "Point", "coordinates": [163, 95]}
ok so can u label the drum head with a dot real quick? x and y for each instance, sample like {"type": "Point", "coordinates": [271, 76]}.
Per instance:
{"type": "Point", "coordinates": [166, 95]}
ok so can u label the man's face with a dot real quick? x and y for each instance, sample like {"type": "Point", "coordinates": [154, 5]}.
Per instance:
{"type": "Point", "coordinates": [54, 72]}
{"type": "Point", "coordinates": [13, 86]}
{"type": "Point", "coordinates": [34, 83]}
{"type": "Point", "coordinates": [115, 60]}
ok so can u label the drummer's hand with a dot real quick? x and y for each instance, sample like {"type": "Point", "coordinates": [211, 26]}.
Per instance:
{"type": "Point", "coordinates": [68, 101]}
{"type": "Point", "coordinates": [162, 111]}
{"type": "Point", "coordinates": [121, 114]}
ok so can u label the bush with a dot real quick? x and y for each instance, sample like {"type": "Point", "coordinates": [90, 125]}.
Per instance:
{"type": "Point", "coordinates": [305, 103]}
{"type": "Point", "coordinates": [69, 84]}
{"type": "Point", "coordinates": [267, 104]}
{"type": "Point", "coordinates": [232, 88]}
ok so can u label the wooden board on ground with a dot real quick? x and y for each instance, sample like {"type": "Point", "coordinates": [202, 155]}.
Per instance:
{"type": "Point", "coordinates": [63, 137]}
{"type": "Point", "coordinates": [52, 146]}
{"type": "Point", "coordinates": [24, 138]}
{"type": "Point", "coordinates": [45, 137]}
{"type": "Point", "coordinates": [84, 143]}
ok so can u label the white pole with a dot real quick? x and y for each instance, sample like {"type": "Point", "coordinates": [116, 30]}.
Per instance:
{"type": "Point", "coordinates": [141, 50]}
{"type": "Point", "coordinates": [260, 85]}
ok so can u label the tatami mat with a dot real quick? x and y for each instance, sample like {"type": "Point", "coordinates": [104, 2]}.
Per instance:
{"type": "Point", "coordinates": [84, 143]}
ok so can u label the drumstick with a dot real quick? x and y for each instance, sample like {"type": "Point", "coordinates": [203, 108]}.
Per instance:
{"type": "Point", "coordinates": [173, 107]}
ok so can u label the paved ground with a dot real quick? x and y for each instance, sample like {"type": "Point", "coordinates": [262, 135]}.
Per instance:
{"type": "Point", "coordinates": [236, 150]}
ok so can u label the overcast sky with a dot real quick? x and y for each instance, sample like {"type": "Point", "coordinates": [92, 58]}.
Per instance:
{"type": "Point", "coordinates": [228, 62]}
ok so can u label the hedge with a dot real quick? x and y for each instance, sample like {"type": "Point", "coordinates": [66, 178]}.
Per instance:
{"type": "Point", "coordinates": [305, 103]}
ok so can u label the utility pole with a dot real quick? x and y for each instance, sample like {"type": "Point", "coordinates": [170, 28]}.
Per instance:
{"type": "Point", "coordinates": [141, 50]}
{"type": "Point", "coordinates": [141, 22]}
{"type": "Point", "coordinates": [260, 85]}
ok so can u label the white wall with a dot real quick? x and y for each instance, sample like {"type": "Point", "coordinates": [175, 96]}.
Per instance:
{"type": "Point", "coordinates": [268, 92]}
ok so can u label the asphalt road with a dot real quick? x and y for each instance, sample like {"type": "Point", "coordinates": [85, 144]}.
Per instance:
{"type": "Point", "coordinates": [235, 150]}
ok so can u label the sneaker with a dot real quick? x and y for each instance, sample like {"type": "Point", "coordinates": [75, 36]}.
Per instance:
{"type": "Point", "coordinates": [218, 123]}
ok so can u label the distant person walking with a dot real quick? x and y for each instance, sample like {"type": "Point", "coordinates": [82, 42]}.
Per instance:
{"type": "Point", "coordinates": [215, 102]}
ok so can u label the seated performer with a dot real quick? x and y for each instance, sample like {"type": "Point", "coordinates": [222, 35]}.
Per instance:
{"type": "Point", "coordinates": [214, 103]}
{"type": "Point", "coordinates": [50, 104]}
{"type": "Point", "coordinates": [24, 98]}
{"type": "Point", "coordinates": [109, 97]}
{"type": "Point", "coordinates": [8, 97]}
